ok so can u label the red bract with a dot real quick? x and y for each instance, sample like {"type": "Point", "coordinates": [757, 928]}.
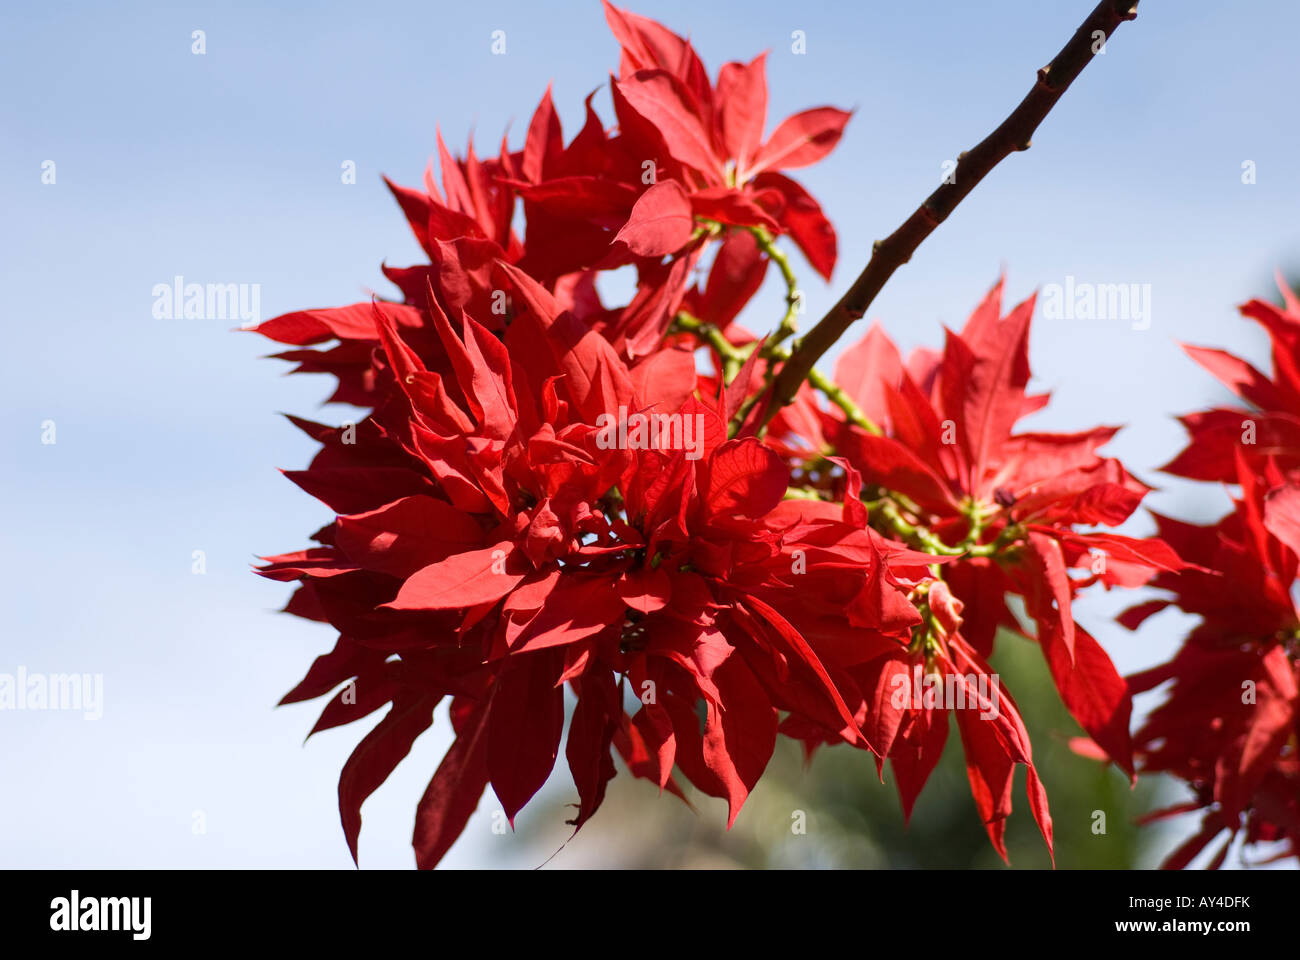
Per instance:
{"type": "Point", "coordinates": [1270, 428]}
{"type": "Point", "coordinates": [709, 138]}
{"type": "Point", "coordinates": [1228, 723]}
{"type": "Point", "coordinates": [934, 440]}
{"type": "Point", "coordinates": [546, 492]}
{"type": "Point", "coordinates": [526, 552]}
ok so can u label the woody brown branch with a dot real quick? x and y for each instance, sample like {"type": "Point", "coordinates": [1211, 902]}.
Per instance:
{"type": "Point", "coordinates": [1011, 136]}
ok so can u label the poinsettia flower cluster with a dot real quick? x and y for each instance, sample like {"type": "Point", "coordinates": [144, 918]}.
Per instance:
{"type": "Point", "coordinates": [1228, 723]}
{"type": "Point", "coordinates": [550, 492]}
{"type": "Point", "coordinates": [1009, 515]}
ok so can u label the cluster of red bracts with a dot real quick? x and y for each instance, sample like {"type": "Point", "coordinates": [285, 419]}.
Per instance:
{"type": "Point", "coordinates": [703, 581]}
{"type": "Point", "coordinates": [1229, 721]}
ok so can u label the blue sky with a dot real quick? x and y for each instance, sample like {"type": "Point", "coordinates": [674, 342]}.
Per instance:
{"type": "Point", "coordinates": [225, 168]}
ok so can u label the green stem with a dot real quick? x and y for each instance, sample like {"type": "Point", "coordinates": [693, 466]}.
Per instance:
{"type": "Point", "coordinates": [774, 348]}
{"type": "Point", "coordinates": [836, 395]}
{"type": "Point", "coordinates": [915, 532]}
{"type": "Point", "coordinates": [931, 542]}
{"type": "Point", "coordinates": [793, 297]}
{"type": "Point", "coordinates": [733, 357]}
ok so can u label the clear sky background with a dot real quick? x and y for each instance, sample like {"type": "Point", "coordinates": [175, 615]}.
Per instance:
{"type": "Point", "coordinates": [225, 168]}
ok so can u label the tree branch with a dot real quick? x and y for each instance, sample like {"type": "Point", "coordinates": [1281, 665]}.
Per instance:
{"type": "Point", "coordinates": [1011, 136]}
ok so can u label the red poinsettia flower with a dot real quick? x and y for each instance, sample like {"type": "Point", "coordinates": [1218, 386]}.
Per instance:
{"type": "Point", "coordinates": [936, 448]}
{"type": "Point", "coordinates": [1270, 428]}
{"type": "Point", "coordinates": [560, 556]}
{"type": "Point", "coordinates": [1227, 725]}
{"type": "Point", "coordinates": [708, 138]}
{"type": "Point", "coordinates": [546, 493]}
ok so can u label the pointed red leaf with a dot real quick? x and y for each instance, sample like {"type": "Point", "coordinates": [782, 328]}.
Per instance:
{"type": "Point", "coordinates": [660, 222]}
{"type": "Point", "coordinates": [378, 755]}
